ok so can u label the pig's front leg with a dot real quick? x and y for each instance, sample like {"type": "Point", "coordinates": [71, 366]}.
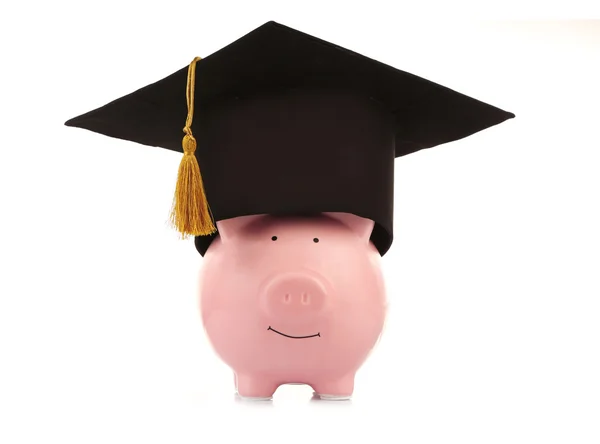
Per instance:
{"type": "Point", "coordinates": [255, 387]}
{"type": "Point", "coordinates": [335, 390]}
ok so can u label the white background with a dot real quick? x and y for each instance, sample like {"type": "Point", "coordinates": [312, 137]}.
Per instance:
{"type": "Point", "coordinates": [494, 276]}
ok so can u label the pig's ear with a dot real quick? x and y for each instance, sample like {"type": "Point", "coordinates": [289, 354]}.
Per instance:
{"type": "Point", "coordinates": [361, 226]}
{"type": "Point", "coordinates": [230, 228]}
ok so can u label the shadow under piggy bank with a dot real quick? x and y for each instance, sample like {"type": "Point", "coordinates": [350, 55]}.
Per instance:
{"type": "Point", "coordinates": [315, 399]}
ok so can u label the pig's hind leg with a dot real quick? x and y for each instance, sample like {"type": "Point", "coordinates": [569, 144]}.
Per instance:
{"type": "Point", "coordinates": [255, 387]}
{"type": "Point", "coordinates": [335, 390]}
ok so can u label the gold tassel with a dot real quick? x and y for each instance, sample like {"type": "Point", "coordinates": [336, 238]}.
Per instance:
{"type": "Point", "coordinates": [190, 214]}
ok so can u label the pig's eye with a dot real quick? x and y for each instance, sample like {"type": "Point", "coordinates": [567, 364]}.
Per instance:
{"type": "Point", "coordinates": [315, 240]}
{"type": "Point", "coordinates": [274, 238]}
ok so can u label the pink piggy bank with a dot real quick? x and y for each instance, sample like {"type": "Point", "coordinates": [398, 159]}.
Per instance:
{"type": "Point", "coordinates": [289, 300]}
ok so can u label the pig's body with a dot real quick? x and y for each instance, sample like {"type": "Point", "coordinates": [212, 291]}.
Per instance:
{"type": "Point", "coordinates": [280, 307]}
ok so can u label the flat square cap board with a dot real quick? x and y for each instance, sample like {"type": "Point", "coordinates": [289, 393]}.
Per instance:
{"type": "Point", "coordinates": [288, 124]}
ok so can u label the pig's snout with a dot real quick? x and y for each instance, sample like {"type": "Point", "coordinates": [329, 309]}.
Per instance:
{"type": "Point", "coordinates": [294, 296]}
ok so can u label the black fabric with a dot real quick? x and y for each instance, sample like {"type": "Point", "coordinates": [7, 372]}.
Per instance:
{"type": "Point", "coordinates": [288, 123]}
{"type": "Point", "coordinates": [302, 152]}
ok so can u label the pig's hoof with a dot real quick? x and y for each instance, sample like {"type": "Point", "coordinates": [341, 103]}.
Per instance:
{"type": "Point", "coordinates": [326, 397]}
{"type": "Point", "coordinates": [255, 388]}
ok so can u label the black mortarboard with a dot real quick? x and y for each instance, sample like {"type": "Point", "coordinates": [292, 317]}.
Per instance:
{"type": "Point", "coordinates": [287, 123]}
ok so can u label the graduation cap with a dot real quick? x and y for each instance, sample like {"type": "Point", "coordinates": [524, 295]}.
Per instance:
{"type": "Point", "coordinates": [283, 123]}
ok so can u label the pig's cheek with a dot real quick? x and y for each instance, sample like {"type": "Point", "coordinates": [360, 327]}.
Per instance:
{"type": "Point", "coordinates": [234, 326]}
{"type": "Point", "coordinates": [359, 310]}
{"type": "Point", "coordinates": [230, 312]}
{"type": "Point", "coordinates": [225, 306]}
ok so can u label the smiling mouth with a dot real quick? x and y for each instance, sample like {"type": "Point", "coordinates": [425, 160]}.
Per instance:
{"type": "Point", "coordinates": [293, 337]}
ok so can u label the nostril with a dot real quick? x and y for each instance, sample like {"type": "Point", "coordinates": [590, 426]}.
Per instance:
{"type": "Point", "coordinates": [287, 298]}
{"type": "Point", "coordinates": [305, 299]}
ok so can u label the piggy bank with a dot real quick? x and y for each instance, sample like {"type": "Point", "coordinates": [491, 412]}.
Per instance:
{"type": "Point", "coordinates": [293, 300]}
